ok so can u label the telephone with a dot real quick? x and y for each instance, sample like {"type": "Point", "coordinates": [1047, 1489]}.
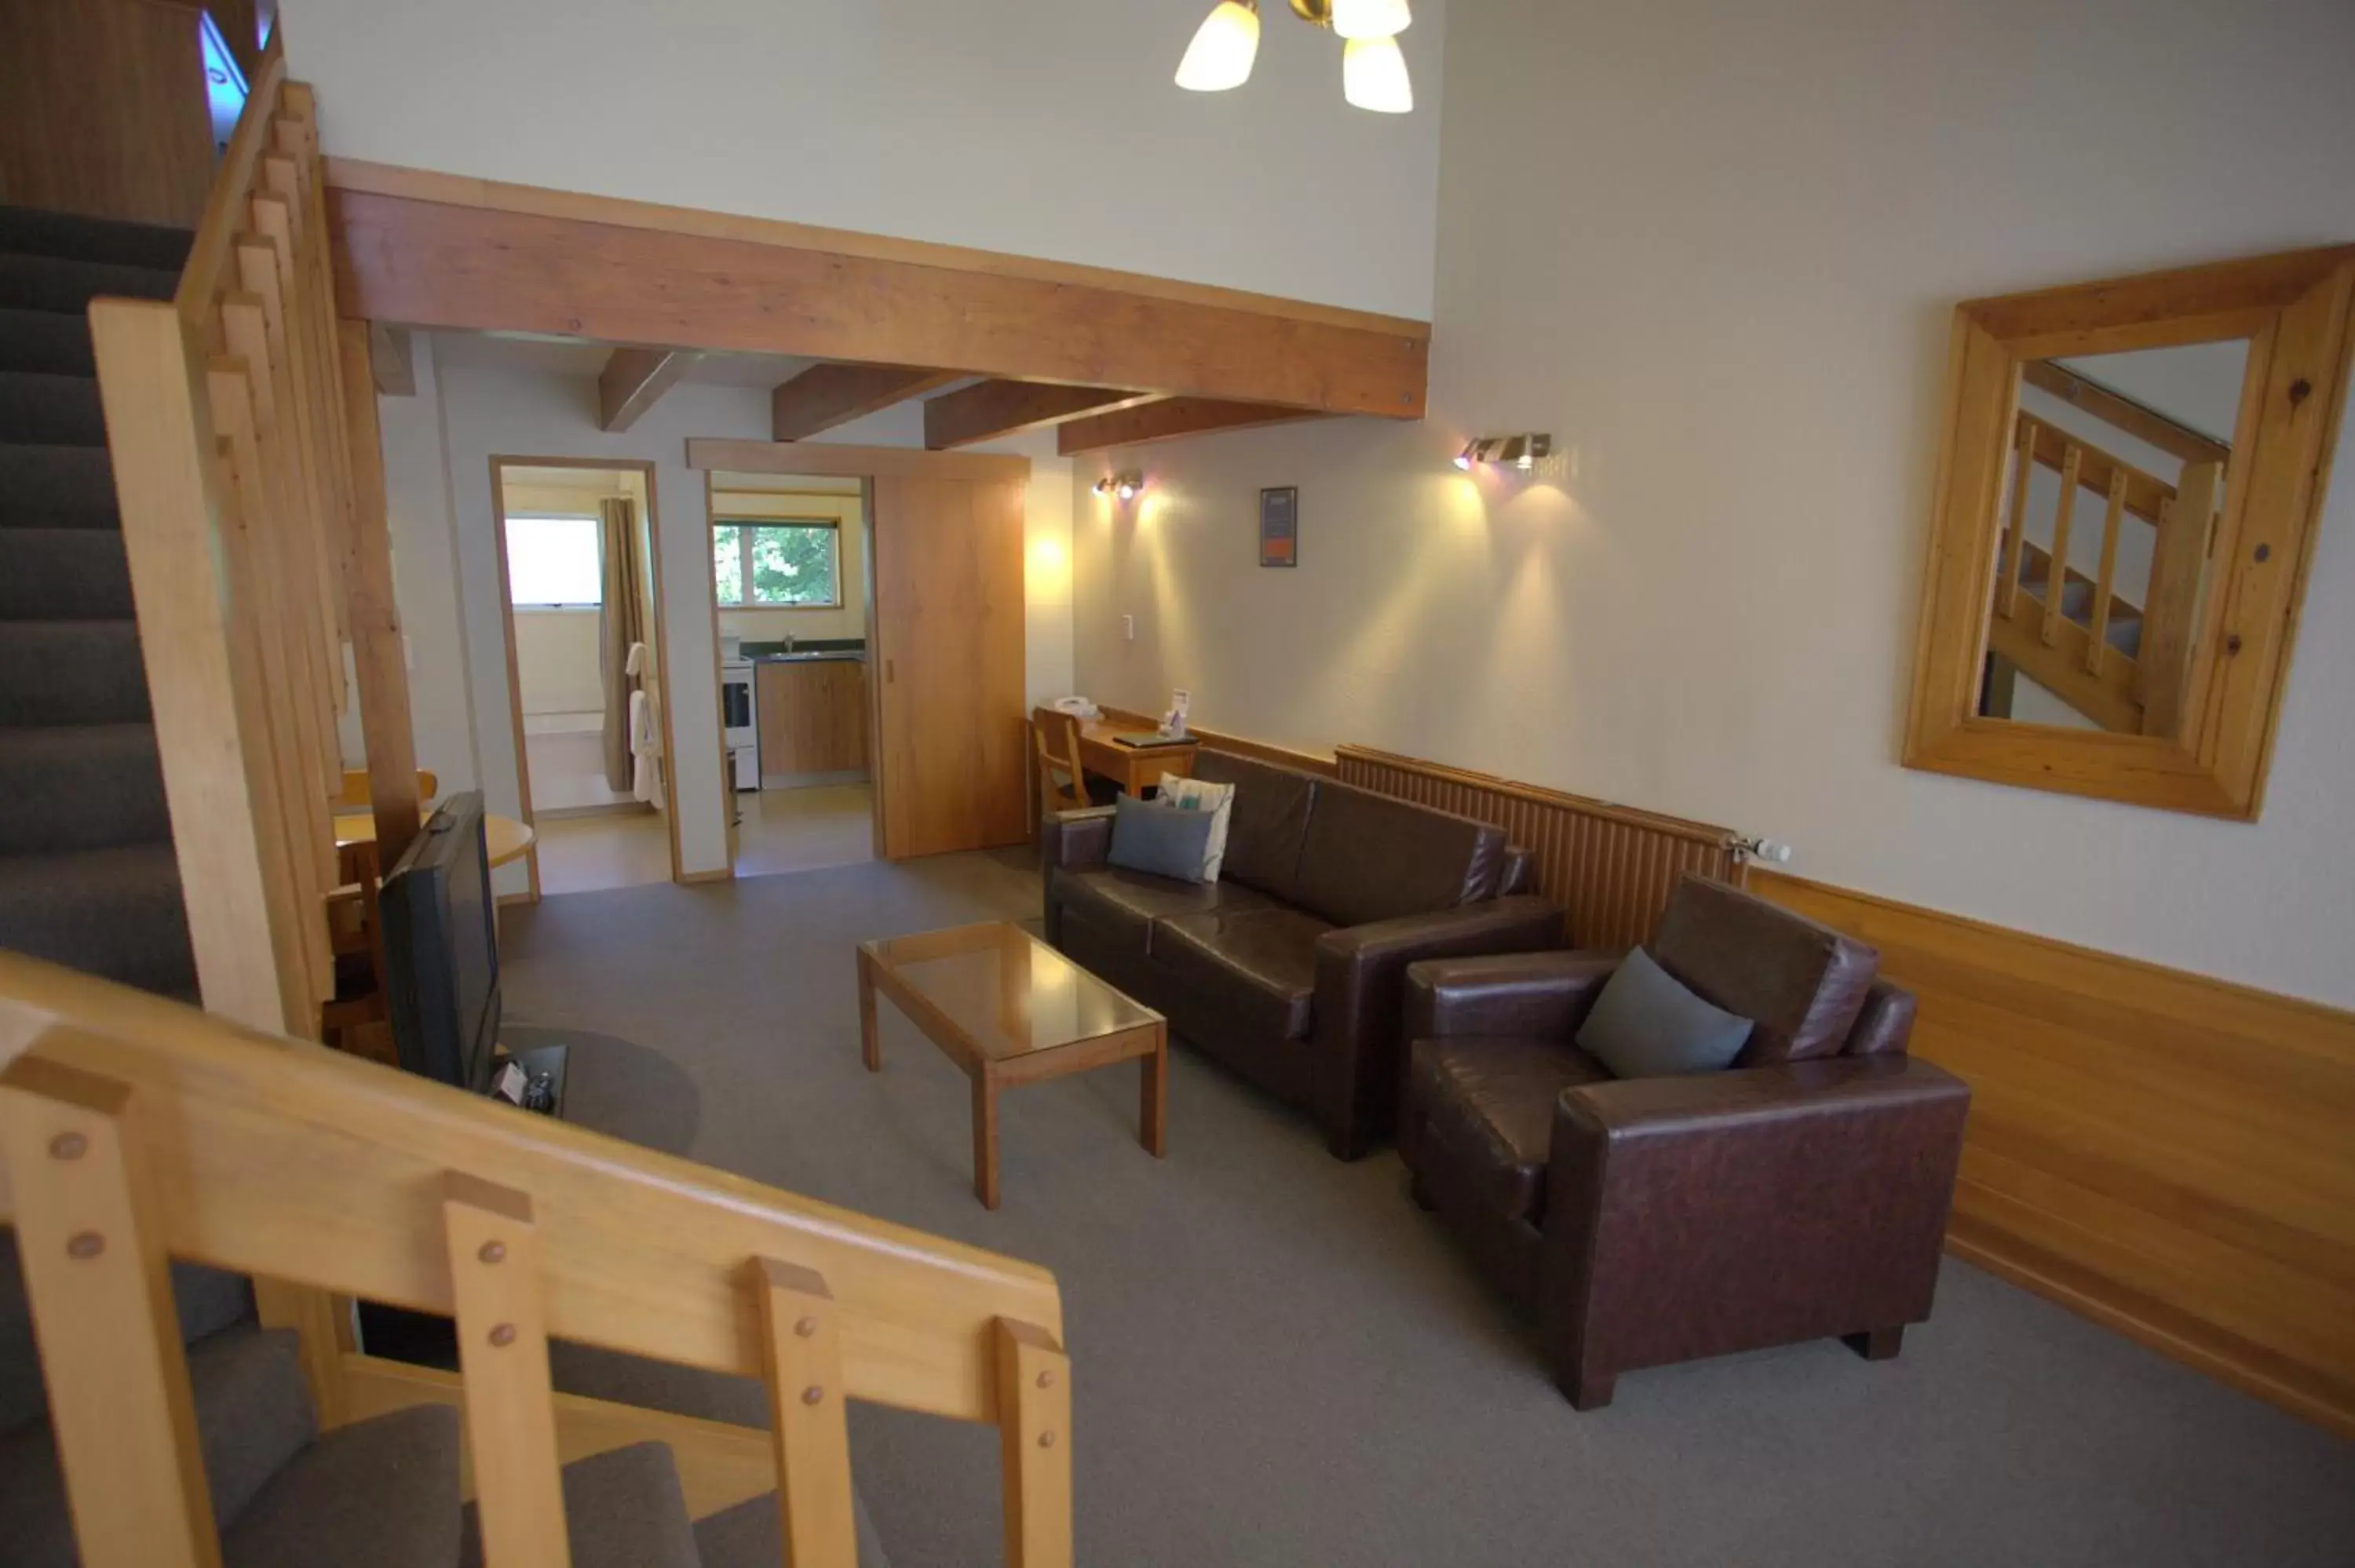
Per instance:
{"type": "Point", "coordinates": [1077, 707]}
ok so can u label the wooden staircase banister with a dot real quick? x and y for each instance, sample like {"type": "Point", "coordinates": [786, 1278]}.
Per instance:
{"type": "Point", "coordinates": [308, 1165]}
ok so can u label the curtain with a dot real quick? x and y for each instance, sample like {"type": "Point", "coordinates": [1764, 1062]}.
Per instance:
{"type": "Point", "coordinates": [623, 623]}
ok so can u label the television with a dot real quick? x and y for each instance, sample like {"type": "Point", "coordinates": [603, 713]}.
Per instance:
{"type": "Point", "coordinates": [441, 948]}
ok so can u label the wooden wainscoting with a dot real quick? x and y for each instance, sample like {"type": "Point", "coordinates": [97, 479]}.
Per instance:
{"type": "Point", "coordinates": [2169, 1155]}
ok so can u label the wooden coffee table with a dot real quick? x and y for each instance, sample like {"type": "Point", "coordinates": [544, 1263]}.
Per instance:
{"type": "Point", "coordinates": [1010, 1010]}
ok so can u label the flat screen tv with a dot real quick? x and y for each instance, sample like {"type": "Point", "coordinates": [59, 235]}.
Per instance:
{"type": "Point", "coordinates": [441, 953]}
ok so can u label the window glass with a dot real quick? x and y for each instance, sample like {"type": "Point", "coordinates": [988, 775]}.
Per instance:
{"type": "Point", "coordinates": [782, 563]}
{"type": "Point", "coordinates": [555, 561]}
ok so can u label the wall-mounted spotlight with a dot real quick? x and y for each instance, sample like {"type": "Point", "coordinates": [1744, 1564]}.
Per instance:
{"type": "Point", "coordinates": [1126, 486]}
{"type": "Point", "coordinates": [1521, 452]}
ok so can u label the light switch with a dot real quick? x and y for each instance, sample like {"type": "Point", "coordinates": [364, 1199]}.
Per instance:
{"type": "Point", "coordinates": [1128, 627]}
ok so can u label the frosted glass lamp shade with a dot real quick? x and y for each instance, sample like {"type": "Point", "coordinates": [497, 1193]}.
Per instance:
{"type": "Point", "coordinates": [1370, 18]}
{"type": "Point", "coordinates": [1223, 48]}
{"type": "Point", "coordinates": [1373, 76]}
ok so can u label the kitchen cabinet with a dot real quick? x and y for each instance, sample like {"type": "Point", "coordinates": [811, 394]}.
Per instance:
{"type": "Point", "coordinates": [812, 716]}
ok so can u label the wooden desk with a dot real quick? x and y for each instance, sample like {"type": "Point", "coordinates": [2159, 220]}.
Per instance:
{"type": "Point", "coordinates": [1135, 768]}
{"type": "Point", "coordinates": [506, 839]}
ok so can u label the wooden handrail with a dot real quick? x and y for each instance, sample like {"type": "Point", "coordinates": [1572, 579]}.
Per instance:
{"type": "Point", "coordinates": [306, 1165]}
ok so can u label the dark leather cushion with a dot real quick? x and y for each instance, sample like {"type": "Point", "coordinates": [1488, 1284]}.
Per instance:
{"type": "Point", "coordinates": [1886, 1025]}
{"type": "Point", "coordinates": [1270, 819]}
{"type": "Point", "coordinates": [1257, 966]}
{"type": "Point", "coordinates": [1131, 901]}
{"type": "Point", "coordinates": [1487, 1101]}
{"type": "Point", "coordinates": [1370, 858]}
{"type": "Point", "coordinates": [1801, 984]}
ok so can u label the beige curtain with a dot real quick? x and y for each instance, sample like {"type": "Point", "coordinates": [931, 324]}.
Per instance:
{"type": "Point", "coordinates": [624, 623]}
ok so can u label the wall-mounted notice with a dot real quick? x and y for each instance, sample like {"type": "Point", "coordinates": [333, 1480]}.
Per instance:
{"type": "Point", "coordinates": [1279, 526]}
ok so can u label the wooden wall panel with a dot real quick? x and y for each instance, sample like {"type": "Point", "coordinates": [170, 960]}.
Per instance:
{"type": "Point", "coordinates": [102, 110]}
{"type": "Point", "coordinates": [2169, 1155]}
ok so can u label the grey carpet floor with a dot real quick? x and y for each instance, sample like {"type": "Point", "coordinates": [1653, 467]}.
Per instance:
{"type": "Point", "coordinates": [1279, 1360]}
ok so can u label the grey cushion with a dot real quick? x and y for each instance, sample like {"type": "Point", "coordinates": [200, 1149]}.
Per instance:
{"type": "Point", "coordinates": [1648, 1024]}
{"type": "Point", "coordinates": [1162, 840]}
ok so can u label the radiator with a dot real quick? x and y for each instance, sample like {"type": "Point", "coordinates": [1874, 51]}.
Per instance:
{"type": "Point", "coordinates": [1611, 867]}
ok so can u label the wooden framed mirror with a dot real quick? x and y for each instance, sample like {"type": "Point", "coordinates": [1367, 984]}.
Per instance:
{"type": "Point", "coordinates": [2130, 483]}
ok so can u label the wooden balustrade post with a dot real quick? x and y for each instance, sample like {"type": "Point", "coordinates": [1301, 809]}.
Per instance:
{"type": "Point", "coordinates": [2105, 582]}
{"type": "Point", "coordinates": [2056, 575]}
{"type": "Point", "coordinates": [2015, 537]}
{"type": "Point", "coordinates": [801, 1336]}
{"type": "Point", "coordinates": [1034, 1442]}
{"type": "Point", "coordinates": [100, 1286]}
{"type": "Point", "coordinates": [2170, 626]}
{"type": "Point", "coordinates": [503, 1357]}
{"type": "Point", "coordinates": [379, 653]}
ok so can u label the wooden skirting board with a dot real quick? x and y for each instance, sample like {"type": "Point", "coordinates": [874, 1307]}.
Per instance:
{"type": "Point", "coordinates": [2166, 1154]}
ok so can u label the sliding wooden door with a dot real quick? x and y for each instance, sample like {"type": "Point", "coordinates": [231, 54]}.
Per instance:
{"type": "Point", "coordinates": [946, 656]}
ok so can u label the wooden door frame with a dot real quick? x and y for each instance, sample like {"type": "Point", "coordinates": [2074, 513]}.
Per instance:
{"type": "Point", "coordinates": [841, 459]}
{"type": "Point", "coordinates": [499, 463]}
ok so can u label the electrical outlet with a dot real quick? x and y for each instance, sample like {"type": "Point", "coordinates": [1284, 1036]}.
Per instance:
{"type": "Point", "coordinates": [1128, 628]}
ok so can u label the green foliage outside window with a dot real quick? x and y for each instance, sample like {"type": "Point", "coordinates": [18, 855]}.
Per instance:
{"type": "Point", "coordinates": [777, 562]}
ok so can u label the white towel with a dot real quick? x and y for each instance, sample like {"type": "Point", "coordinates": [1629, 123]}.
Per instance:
{"type": "Point", "coordinates": [635, 665]}
{"type": "Point", "coordinates": [646, 750]}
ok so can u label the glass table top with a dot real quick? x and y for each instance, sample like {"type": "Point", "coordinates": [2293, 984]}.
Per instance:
{"type": "Point", "coordinates": [1005, 991]}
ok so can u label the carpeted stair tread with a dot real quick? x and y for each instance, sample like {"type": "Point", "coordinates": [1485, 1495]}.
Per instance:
{"type": "Point", "coordinates": [253, 1416]}
{"type": "Point", "coordinates": [81, 787]}
{"type": "Point", "coordinates": [68, 283]}
{"type": "Point", "coordinates": [208, 1302]}
{"type": "Point", "coordinates": [34, 231]}
{"type": "Point", "coordinates": [54, 342]}
{"type": "Point", "coordinates": [381, 1493]}
{"type": "Point", "coordinates": [38, 409]}
{"type": "Point", "coordinates": [64, 574]}
{"type": "Point", "coordinates": [110, 912]}
{"type": "Point", "coordinates": [71, 672]}
{"type": "Point", "coordinates": [623, 1508]}
{"type": "Point", "coordinates": [56, 486]}
{"type": "Point", "coordinates": [749, 1536]}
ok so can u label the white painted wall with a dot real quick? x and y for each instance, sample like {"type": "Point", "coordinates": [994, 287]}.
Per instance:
{"type": "Point", "coordinates": [1046, 128]}
{"type": "Point", "coordinates": [438, 447]}
{"type": "Point", "coordinates": [1714, 248]}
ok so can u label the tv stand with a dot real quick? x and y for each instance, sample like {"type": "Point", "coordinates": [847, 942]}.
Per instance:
{"type": "Point", "coordinates": [551, 1060]}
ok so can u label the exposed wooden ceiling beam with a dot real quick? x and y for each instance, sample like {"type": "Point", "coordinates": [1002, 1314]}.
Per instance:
{"type": "Point", "coordinates": [390, 366]}
{"type": "Point", "coordinates": [437, 251]}
{"type": "Point", "coordinates": [825, 395]}
{"type": "Point", "coordinates": [632, 381]}
{"type": "Point", "coordinates": [1169, 419]}
{"type": "Point", "coordinates": [988, 410]}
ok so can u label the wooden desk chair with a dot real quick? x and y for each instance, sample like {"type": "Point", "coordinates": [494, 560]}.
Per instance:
{"type": "Point", "coordinates": [1063, 784]}
{"type": "Point", "coordinates": [356, 792]}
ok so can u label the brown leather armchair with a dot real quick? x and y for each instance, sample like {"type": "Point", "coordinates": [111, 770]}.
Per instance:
{"type": "Point", "coordinates": [1799, 1194]}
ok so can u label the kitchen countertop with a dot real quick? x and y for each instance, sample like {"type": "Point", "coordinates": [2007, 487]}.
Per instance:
{"type": "Point", "coordinates": [815, 656]}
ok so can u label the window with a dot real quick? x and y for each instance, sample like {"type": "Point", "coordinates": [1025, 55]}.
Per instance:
{"type": "Point", "coordinates": [556, 562]}
{"type": "Point", "coordinates": [793, 564]}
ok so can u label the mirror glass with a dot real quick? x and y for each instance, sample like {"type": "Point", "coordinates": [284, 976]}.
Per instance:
{"type": "Point", "coordinates": [2115, 477]}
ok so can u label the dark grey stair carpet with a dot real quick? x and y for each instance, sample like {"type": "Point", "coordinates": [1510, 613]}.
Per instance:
{"type": "Point", "coordinates": [208, 1302]}
{"type": "Point", "coordinates": [71, 672]}
{"type": "Point", "coordinates": [64, 574]}
{"type": "Point", "coordinates": [623, 1508]}
{"type": "Point", "coordinates": [31, 231]}
{"type": "Point", "coordinates": [751, 1536]}
{"type": "Point", "coordinates": [40, 408]}
{"type": "Point", "coordinates": [253, 1416]}
{"type": "Point", "coordinates": [56, 342]}
{"type": "Point", "coordinates": [60, 486]}
{"type": "Point", "coordinates": [381, 1493]}
{"type": "Point", "coordinates": [81, 787]}
{"type": "Point", "coordinates": [115, 911]}
{"type": "Point", "coordinates": [64, 283]}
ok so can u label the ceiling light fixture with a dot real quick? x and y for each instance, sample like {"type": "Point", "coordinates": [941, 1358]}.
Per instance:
{"type": "Point", "coordinates": [1126, 486]}
{"type": "Point", "coordinates": [1373, 71]}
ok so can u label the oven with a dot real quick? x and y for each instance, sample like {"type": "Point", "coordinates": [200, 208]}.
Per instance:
{"type": "Point", "coordinates": [740, 724]}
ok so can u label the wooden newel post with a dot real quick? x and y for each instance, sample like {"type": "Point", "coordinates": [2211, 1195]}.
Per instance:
{"type": "Point", "coordinates": [1034, 1439]}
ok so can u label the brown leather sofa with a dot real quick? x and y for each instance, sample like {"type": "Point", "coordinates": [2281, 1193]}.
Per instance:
{"type": "Point", "coordinates": [1290, 968]}
{"type": "Point", "coordinates": [1799, 1194]}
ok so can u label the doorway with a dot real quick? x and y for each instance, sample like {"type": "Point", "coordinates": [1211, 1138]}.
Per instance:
{"type": "Point", "coordinates": [790, 584]}
{"type": "Point", "coordinates": [580, 591]}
